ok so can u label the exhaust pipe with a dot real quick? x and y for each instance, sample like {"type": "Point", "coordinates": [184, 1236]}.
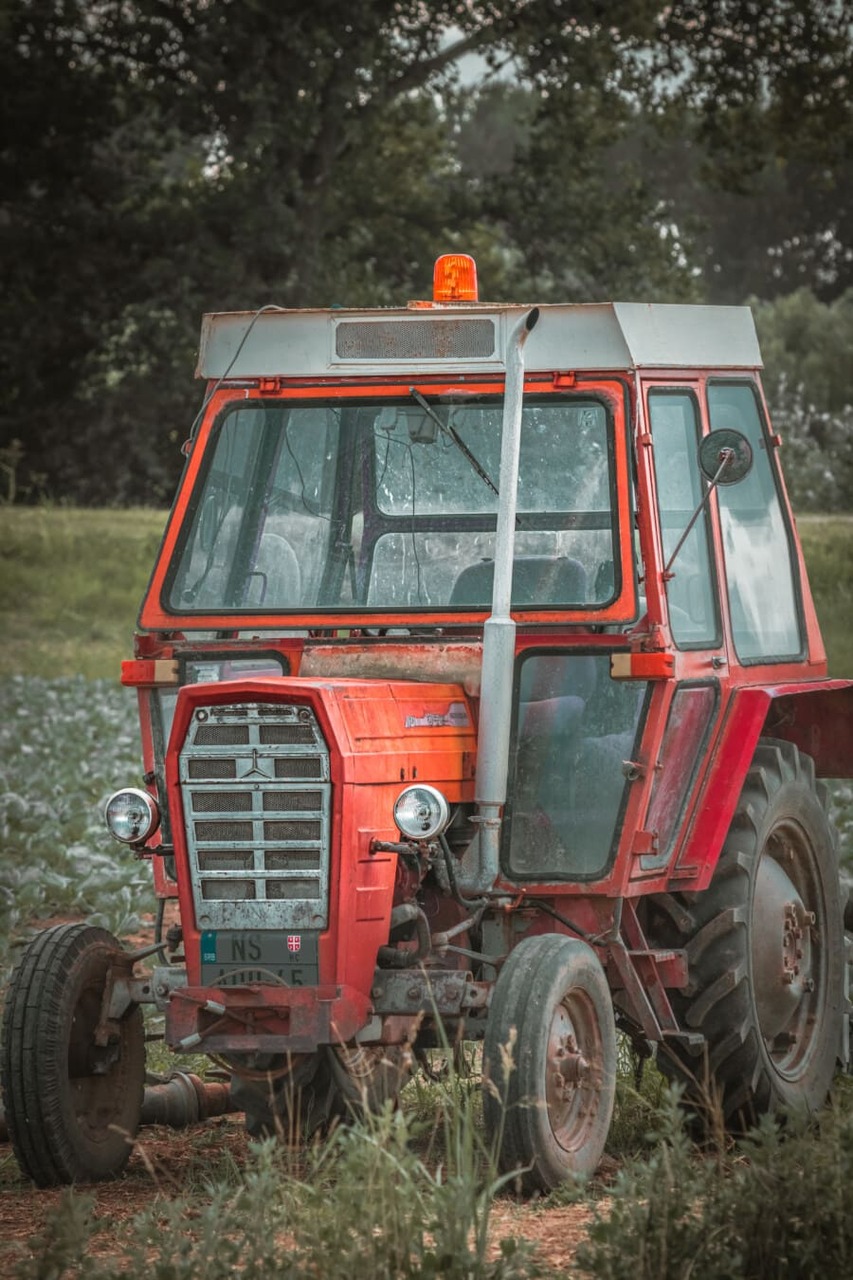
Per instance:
{"type": "Point", "coordinates": [499, 637]}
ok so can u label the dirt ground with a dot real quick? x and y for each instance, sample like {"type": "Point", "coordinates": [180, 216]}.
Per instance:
{"type": "Point", "coordinates": [163, 1158]}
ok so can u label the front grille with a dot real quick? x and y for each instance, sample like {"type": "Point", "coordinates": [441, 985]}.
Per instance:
{"type": "Point", "coordinates": [257, 799]}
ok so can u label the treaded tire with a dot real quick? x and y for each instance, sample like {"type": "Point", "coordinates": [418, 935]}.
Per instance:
{"type": "Point", "coordinates": [72, 1109]}
{"type": "Point", "coordinates": [290, 1101]}
{"type": "Point", "coordinates": [766, 983]}
{"type": "Point", "coordinates": [366, 1077]}
{"type": "Point", "coordinates": [549, 1062]}
{"type": "Point", "coordinates": [304, 1094]}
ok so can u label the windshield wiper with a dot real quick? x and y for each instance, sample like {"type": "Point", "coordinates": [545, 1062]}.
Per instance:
{"type": "Point", "coordinates": [455, 437]}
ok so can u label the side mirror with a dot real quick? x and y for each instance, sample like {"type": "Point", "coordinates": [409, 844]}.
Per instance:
{"type": "Point", "coordinates": [725, 456]}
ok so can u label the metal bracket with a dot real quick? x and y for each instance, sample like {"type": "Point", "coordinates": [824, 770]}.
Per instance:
{"type": "Point", "coordinates": [447, 993]}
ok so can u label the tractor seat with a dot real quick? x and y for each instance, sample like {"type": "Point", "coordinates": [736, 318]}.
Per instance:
{"type": "Point", "coordinates": [536, 581]}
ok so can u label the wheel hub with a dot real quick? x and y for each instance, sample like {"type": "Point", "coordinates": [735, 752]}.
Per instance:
{"type": "Point", "coordinates": [783, 958]}
{"type": "Point", "coordinates": [570, 1085]}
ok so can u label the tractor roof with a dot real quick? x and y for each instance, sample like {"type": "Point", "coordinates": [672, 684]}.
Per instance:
{"type": "Point", "coordinates": [429, 338]}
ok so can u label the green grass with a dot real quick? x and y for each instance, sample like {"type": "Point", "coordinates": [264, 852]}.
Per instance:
{"type": "Point", "coordinates": [71, 582]}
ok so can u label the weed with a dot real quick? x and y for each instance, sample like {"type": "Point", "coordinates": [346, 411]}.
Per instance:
{"type": "Point", "coordinates": [62, 1244]}
{"type": "Point", "coordinates": [367, 1206]}
{"type": "Point", "coordinates": [70, 585]}
{"type": "Point", "coordinates": [779, 1206]}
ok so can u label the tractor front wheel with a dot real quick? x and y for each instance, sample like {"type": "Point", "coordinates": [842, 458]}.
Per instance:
{"type": "Point", "coordinates": [72, 1103]}
{"type": "Point", "coordinates": [765, 950]}
{"type": "Point", "coordinates": [549, 1062]}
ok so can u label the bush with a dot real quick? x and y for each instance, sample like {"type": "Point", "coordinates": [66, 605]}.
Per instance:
{"type": "Point", "coordinates": [818, 451]}
{"type": "Point", "coordinates": [778, 1207]}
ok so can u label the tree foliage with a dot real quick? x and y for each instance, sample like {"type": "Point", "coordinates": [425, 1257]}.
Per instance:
{"type": "Point", "coordinates": [809, 380]}
{"type": "Point", "coordinates": [162, 158]}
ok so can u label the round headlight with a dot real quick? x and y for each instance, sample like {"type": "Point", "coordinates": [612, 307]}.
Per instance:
{"type": "Point", "coordinates": [421, 812]}
{"type": "Point", "coordinates": [131, 815]}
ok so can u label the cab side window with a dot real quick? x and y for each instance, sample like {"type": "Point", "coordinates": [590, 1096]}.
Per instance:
{"type": "Point", "coordinates": [760, 575]}
{"type": "Point", "coordinates": [690, 591]}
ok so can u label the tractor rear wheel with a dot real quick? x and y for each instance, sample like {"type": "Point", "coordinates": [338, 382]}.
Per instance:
{"type": "Point", "coordinates": [549, 1062]}
{"type": "Point", "coordinates": [765, 950]}
{"type": "Point", "coordinates": [72, 1106]}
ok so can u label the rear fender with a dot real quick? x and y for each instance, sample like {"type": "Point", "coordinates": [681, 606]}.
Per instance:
{"type": "Point", "coordinates": [817, 717]}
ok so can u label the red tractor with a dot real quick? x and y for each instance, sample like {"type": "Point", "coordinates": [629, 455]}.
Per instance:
{"type": "Point", "coordinates": [482, 698]}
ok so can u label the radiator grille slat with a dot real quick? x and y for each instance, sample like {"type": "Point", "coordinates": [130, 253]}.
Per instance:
{"type": "Point", "coordinates": [222, 802]}
{"type": "Point", "coordinates": [301, 831]}
{"type": "Point", "coordinates": [258, 838]}
{"type": "Point", "coordinates": [201, 769]}
{"type": "Point", "coordinates": [222, 831]}
{"type": "Point", "coordinates": [226, 860]}
{"type": "Point", "coordinates": [222, 735]}
{"type": "Point", "coordinates": [287, 733]}
{"type": "Point", "coordinates": [294, 767]}
{"type": "Point", "coordinates": [292, 801]}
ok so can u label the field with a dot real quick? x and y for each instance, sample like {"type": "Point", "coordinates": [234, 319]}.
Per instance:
{"type": "Point", "coordinates": [71, 584]}
{"type": "Point", "coordinates": [411, 1194]}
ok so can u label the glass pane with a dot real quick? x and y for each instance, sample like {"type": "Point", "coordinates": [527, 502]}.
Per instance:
{"type": "Point", "coordinates": [260, 528]}
{"type": "Point", "coordinates": [563, 464]}
{"type": "Point", "coordinates": [689, 717]}
{"type": "Point", "coordinates": [393, 505]}
{"type": "Point", "coordinates": [690, 591]}
{"type": "Point", "coordinates": [576, 728]}
{"type": "Point", "coordinates": [416, 569]}
{"type": "Point", "coordinates": [759, 566]}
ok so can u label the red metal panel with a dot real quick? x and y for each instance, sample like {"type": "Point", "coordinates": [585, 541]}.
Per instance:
{"type": "Point", "coordinates": [820, 722]}
{"type": "Point", "coordinates": [814, 715]}
{"type": "Point", "coordinates": [267, 1019]}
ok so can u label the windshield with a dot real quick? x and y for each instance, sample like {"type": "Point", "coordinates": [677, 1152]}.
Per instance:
{"type": "Point", "coordinates": [306, 506]}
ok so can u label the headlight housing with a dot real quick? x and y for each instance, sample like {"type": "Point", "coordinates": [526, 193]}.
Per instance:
{"type": "Point", "coordinates": [131, 815]}
{"type": "Point", "coordinates": [421, 812]}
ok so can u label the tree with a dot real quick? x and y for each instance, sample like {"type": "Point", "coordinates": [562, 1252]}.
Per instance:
{"type": "Point", "coordinates": [809, 383]}
{"type": "Point", "coordinates": [762, 127]}
{"type": "Point", "coordinates": [161, 158]}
